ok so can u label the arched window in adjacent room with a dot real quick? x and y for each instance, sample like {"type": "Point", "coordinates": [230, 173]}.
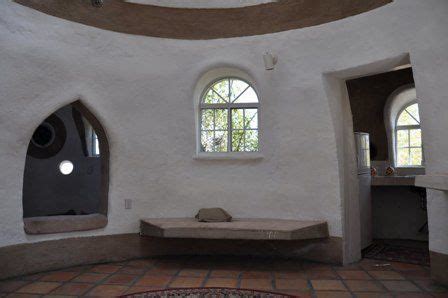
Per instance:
{"type": "Point", "coordinates": [228, 117]}
{"type": "Point", "coordinates": [408, 137]}
{"type": "Point", "coordinates": [404, 132]}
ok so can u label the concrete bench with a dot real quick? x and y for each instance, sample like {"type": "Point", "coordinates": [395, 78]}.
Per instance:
{"type": "Point", "coordinates": [250, 229]}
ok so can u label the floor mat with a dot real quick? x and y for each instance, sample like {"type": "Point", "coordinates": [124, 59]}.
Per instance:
{"type": "Point", "coordinates": [414, 252]}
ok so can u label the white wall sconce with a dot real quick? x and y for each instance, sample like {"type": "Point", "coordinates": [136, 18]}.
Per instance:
{"type": "Point", "coordinates": [269, 61]}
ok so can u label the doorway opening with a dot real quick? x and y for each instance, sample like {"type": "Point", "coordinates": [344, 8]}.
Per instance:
{"type": "Point", "coordinates": [65, 185]}
{"type": "Point", "coordinates": [390, 152]}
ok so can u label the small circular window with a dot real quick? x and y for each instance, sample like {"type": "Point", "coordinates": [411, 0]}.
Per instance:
{"type": "Point", "coordinates": [66, 167]}
{"type": "Point", "coordinates": [44, 135]}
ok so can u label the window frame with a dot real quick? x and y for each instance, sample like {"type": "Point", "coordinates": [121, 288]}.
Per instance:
{"type": "Point", "coordinates": [227, 106]}
{"type": "Point", "coordinates": [407, 128]}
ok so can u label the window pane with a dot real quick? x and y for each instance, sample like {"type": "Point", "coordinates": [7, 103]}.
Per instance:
{"type": "Point", "coordinates": [403, 157]}
{"type": "Point", "coordinates": [251, 140]}
{"type": "Point", "coordinates": [221, 119]}
{"type": "Point", "coordinates": [207, 141]}
{"type": "Point", "coordinates": [96, 146]}
{"type": "Point", "coordinates": [413, 110]}
{"type": "Point", "coordinates": [237, 140]}
{"type": "Point", "coordinates": [212, 97]}
{"type": "Point", "coordinates": [236, 88]}
{"type": "Point", "coordinates": [207, 122]}
{"type": "Point", "coordinates": [220, 141]}
{"type": "Point", "coordinates": [237, 118]}
{"type": "Point", "coordinates": [402, 138]}
{"type": "Point", "coordinates": [248, 96]}
{"type": "Point", "coordinates": [416, 157]}
{"type": "Point", "coordinates": [222, 88]}
{"type": "Point", "coordinates": [251, 118]}
{"type": "Point", "coordinates": [416, 137]}
{"type": "Point", "coordinates": [405, 118]}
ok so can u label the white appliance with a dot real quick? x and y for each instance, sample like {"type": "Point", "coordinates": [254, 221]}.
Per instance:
{"type": "Point", "coordinates": [365, 181]}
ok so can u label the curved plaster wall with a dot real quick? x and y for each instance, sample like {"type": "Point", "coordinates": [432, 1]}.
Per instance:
{"type": "Point", "coordinates": [142, 91]}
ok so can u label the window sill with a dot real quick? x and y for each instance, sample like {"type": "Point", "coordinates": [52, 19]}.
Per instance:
{"type": "Point", "coordinates": [63, 223]}
{"type": "Point", "coordinates": [228, 156]}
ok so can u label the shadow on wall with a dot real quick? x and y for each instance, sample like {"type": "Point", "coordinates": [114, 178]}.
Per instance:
{"type": "Point", "coordinates": [66, 169]}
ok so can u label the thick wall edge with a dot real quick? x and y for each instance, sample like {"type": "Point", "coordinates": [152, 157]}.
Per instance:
{"type": "Point", "coordinates": [63, 223]}
{"type": "Point", "coordinates": [182, 23]}
{"type": "Point", "coordinates": [51, 255]}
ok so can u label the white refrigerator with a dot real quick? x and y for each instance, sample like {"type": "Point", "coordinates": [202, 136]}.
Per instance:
{"type": "Point", "coordinates": [365, 181]}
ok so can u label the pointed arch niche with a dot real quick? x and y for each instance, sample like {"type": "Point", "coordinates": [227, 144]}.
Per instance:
{"type": "Point", "coordinates": [66, 176]}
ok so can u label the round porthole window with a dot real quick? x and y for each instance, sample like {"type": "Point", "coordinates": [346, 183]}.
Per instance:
{"type": "Point", "coordinates": [66, 167]}
{"type": "Point", "coordinates": [44, 135]}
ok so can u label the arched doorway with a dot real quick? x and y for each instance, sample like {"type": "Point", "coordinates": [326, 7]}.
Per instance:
{"type": "Point", "coordinates": [66, 173]}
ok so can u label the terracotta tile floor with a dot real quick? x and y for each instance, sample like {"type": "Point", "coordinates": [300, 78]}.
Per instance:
{"type": "Point", "coordinates": [368, 278]}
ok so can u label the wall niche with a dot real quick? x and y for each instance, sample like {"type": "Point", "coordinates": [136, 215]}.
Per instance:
{"type": "Point", "coordinates": [66, 177]}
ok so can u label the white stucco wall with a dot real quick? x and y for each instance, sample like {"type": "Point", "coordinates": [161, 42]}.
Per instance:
{"type": "Point", "coordinates": [142, 88]}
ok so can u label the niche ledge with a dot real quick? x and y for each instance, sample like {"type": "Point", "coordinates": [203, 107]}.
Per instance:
{"type": "Point", "coordinates": [63, 223]}
{"type": "Point", "coordinates": [437, 182]}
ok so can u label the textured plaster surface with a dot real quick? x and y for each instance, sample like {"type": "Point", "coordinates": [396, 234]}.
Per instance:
{"type": "Point", "coordinates": [142, 88]}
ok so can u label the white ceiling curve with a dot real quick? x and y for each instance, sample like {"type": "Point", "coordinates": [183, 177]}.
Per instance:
{"type": "Point", "coordinates": [201, 3]}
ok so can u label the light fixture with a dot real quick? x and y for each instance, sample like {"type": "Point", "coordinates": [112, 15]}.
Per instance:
{"type": "Point", "coordinates": [269, 61]}
{"type": "Point", "coordinates": [66, 167]}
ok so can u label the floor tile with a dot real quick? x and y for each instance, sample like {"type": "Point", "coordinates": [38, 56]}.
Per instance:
{"type": "Point", "coordinates": [132, 270]}
{"type": "Point", "coordinates": [186, 282]}
{"type": "Point", "coordinates": [358, 274]}
{"type": "Point", "coordinates": [105, 269]}
{"type": "Point", "coordinates": [414, 295]}
{"type": "Point", "coordinates": [256, 283]}
{"type": "Point", "coordinates": [144, 263]}
{"type": "Point", "coordinates": [74, 289]}
{"type": "Point", "coordinates": [194, 272]}
{"type": "Point", "coordinates": [222, 282]}
{"type": "Point", "coordinates": [418, 274]}
{"type": "Point", "coordinates": [133, 290]}
{"type": "Point", "coordinates": [291, 284]}
{"type": "Point", "coordinates": [153, 281]}
{"type": "Point", "coordinates": [364, 286]}
{"type": "Point", "coordinates": [90, 277]}
{"type": "Point", "coordinates": [225, 273]}
{"type": "Point", "coordinates": [321, 274]}
{"type": "Point", "coordinates": [162, 271]}
{"type": "Point", "coordinates": [328, 285]}
{"type": "Point", "coordinates": [368, 264]}
{"type": "Point", "coordinates": [59, 276]}
{"type": "Point", "coordinates": [386, 275]}
{"type": "Point", "coordinates": [121, 279]}
{"type": "Point", "coordinates": [107, 290]}
{"type": "Point", "coordinates": [11, 285]}
{"type": "Point", "coordinates": [39, 287]}
{"type": "Point", "coordinates": [400, 286]}
{"type": "Point", "coordinates": [405, 266]}
{"type": "Point", "coordinates": [431, 286]}
{"type": "Point", "coordinates": [290, 275]}
{"type": "Point", "coordinates": [373, 295]}
{"type": "Point", "coordinates": [328, 294]}
{"type": "Point", "coordinates": [296, 293]}
{"type": "Point", "coordinates": [256, 274]}
{"type": "Point", "coordinates": [20, 295]}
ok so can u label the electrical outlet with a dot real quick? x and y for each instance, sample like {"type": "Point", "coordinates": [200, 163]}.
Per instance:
{"type": "Point", "coordinates": [127, 204]}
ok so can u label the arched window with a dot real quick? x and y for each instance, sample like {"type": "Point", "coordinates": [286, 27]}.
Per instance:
{"type": "Point", "coordinates": [408, 137]}
{"type": "Point", "coordinates": [228, 116]}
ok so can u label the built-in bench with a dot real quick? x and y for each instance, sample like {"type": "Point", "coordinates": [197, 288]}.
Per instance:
{"type": "Point", "coordinates": [250, 229]}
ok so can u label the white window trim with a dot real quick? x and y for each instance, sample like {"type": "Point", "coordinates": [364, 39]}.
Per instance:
{"type": "Point", "coordinates": [205, 82]}
{"type": "Point", "coordinates": [397, 102]}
